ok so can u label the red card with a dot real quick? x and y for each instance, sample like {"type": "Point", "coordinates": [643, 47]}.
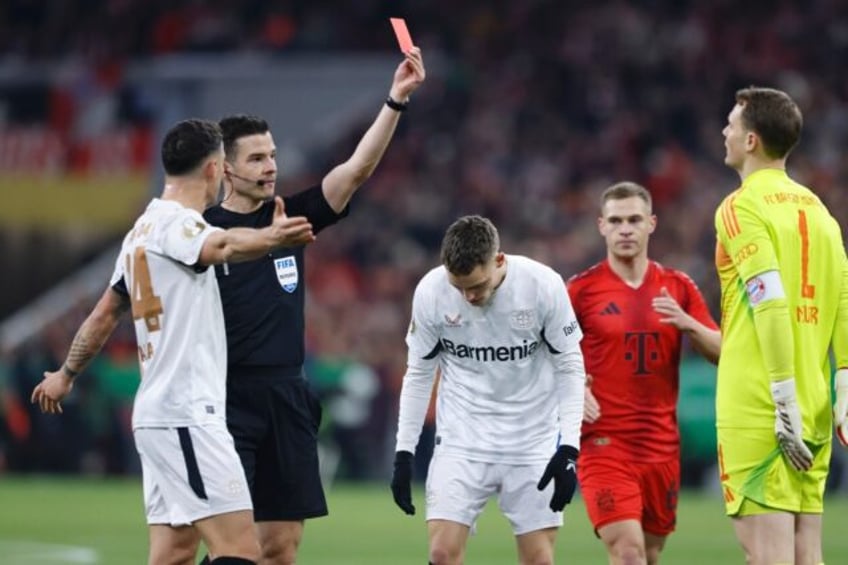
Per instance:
{"type": "Point", "coordinates": [402, 34]}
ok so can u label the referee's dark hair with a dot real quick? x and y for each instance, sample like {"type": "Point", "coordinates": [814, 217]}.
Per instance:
{"type": "Point", "coordinates": [188, 143]}
{"type": "Point", "coordinates": [237, 126]}
{"type": "Point", "coordinates": [469, 242]}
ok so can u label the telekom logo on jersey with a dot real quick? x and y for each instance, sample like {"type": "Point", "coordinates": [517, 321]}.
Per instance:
{"type": "Point", "coordinates": [488, 353]}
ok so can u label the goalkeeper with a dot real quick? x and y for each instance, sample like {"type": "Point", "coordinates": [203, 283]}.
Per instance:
{"type": "Point", "coordinates": [784, 301]}
{"type": "Point", "coordinates": [501, 330]}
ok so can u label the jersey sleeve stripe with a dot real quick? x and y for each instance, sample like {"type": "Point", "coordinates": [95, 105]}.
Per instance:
{"type": "Point", "coordinates": [724, 219]}
{"type": "Point", "coordinates": [731, 222]}
{"type": "Point", "coordinates": [733, 216]}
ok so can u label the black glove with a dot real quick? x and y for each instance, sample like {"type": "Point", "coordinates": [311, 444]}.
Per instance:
{"type": "Point", "coordinates": [562, 468]}
{"type": "Point", "coordinates": [402, 482]}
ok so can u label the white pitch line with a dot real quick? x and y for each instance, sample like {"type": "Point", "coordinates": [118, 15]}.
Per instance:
{"type": "Point", "coordinates": [33, 552]}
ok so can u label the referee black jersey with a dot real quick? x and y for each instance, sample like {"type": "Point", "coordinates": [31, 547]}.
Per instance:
{"type": "Point", "coordinates": [263, 299]}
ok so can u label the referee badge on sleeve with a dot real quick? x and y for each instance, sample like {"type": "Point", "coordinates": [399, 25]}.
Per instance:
{"type": "Point", "coordinates": [287, 273]}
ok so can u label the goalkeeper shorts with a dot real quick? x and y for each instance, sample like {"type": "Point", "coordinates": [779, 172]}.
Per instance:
{"type": "Point", "coordinates": [752, 467]}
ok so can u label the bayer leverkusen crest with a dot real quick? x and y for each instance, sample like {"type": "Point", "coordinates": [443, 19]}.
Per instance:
{"type": "Point", "coordinates": [522, 319]}
{"type": "Point", "coordinates": [286, 272]}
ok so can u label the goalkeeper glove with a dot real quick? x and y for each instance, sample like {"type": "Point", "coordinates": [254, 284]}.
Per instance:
{"type": "Point", "coordinates": [840, 408]}
{"type": "Point", "coordinates": [562, 468]}
{"type": "Point", "coordinates": [402, 482]}
{"type": "Point", "coordinates": [787, 425]}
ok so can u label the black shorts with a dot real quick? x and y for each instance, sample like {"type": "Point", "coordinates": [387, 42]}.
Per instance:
{"type": "Point", "coordinates": [274, 419]}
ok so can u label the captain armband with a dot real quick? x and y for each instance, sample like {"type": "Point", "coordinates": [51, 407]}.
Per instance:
{"type": "Point", "coordinates": [764, 287]}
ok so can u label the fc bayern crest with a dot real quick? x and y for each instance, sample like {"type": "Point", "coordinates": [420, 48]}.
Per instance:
{"type": "Point", "coordinates": [522, 319]}
{"type": "Point", "coordinates": [756, 288]}
{"type": "Point", "coordinates": [286, 272]}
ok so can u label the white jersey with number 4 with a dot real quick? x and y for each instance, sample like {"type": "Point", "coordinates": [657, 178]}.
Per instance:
{"type": "Point", "coordinates": [179, 322]}
{"type": "Point", "coordinates": [512, 373]}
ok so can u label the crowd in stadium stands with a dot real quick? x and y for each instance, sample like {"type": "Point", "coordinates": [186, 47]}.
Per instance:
{"type": "Point", "coordinates": [539, 107]}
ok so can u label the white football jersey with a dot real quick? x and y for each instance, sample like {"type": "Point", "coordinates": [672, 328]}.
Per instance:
{"type": "Point", "coordinates": [512, 373]}
{"type": "Point", "coordinates": [179, 322]}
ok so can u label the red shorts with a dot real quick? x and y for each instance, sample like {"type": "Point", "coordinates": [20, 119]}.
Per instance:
{"type": "Point", "coordinates": [615, 490]}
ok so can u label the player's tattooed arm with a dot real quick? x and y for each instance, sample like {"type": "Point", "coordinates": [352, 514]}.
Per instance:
{"type": "Point", "coordinates": [94, 331]}
{"type": "Point", "coordinates": [87, 343]}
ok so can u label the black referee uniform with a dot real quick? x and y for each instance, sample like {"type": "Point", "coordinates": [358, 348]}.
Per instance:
{"type": "Point", "coordinates": [272, 413]}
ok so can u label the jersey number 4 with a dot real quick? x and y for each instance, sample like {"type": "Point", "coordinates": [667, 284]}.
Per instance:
{"type": "Point", "coordinates": [145, 305]}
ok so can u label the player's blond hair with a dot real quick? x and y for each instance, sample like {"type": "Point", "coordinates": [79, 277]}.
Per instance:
{"type": "Point", "coordinates": [626, 189]}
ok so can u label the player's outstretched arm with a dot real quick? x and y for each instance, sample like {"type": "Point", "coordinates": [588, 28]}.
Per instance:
{"type": "Point", "coordinates": [87, 343]}
{"type": "Point", "coordinates": [341, 182]}
{"type": "Point", "coordinates": [245, 244]}
{"type": "Point", "coordinates": [705, 340]}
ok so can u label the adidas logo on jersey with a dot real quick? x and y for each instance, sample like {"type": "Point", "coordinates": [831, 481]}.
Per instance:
{"type": "Point", "coordinates": [611, 309]}
{"type": "Point", "coordinates": [488, 353]}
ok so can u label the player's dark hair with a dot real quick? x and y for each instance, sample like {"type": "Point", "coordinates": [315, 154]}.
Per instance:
{"type": "Point", "coordinates": [188, 143]}
{"type": "Point", "coordinates": [469, 242]}
{"type": "Point", "coordinates": [773, 116]}
{"type": "Point", "coordinates": [625, 189]}
{"type": "Point", "coordinates": [237, 126]}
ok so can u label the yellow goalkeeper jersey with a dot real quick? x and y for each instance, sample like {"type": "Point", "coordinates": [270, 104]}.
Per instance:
{"type": "Point", "coordinates": [772, 223]}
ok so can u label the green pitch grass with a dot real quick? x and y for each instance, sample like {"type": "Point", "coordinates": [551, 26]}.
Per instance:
{"type": "Point", "coordinates": [53, 521]}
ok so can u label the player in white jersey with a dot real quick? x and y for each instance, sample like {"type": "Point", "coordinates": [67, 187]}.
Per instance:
{"type": "Point", "coordinates": [192, 475]}
{"type": "Point", "coordinates": [502, 332]}
{"type": "Point", "coordinates": [181, 359]}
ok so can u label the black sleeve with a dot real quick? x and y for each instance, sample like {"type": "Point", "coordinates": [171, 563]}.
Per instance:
{"type": "Point", "coordinates": [312, 204]}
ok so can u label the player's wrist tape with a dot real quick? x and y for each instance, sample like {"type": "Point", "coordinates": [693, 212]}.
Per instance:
{"type": "Point", "coordinates": [841, 378]}
{"type": "Point", "coordinates": [783, 391]}
{"type": "Point", "coordinates": [70, 372]}
{"type": "Point", "coordinates": [841, 385]}
{"type": "Point", "coordinates": [395, 105]}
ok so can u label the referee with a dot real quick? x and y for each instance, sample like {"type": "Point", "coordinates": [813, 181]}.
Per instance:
{"type": "Point", "coordinates": [271, 411]}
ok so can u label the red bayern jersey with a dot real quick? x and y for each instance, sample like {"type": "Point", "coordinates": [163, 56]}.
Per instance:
{"type": "Point", "coordinates": [633, 359]}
